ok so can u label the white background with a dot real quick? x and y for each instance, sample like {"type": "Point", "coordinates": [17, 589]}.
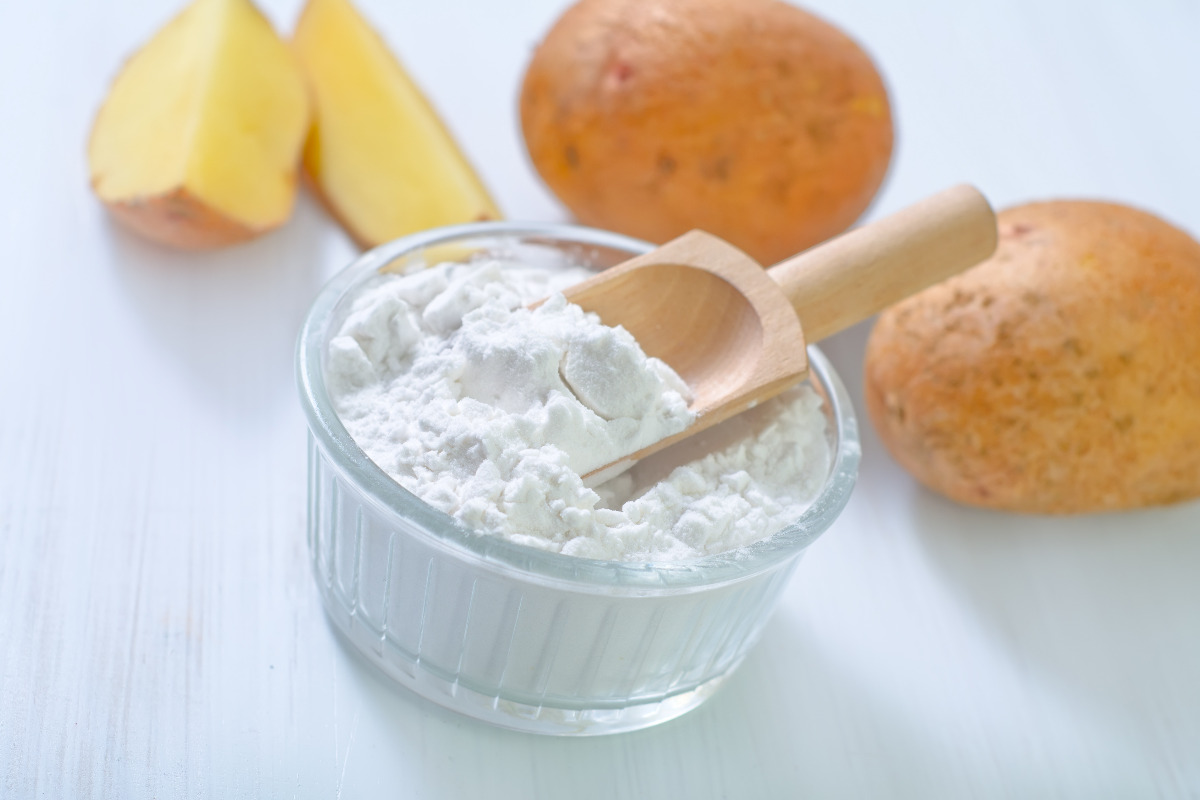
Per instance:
{"type": "Point", "coordinates": [160, 635]}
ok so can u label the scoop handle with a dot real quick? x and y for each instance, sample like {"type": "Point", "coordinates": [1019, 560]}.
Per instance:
{"type": "Point", "coordinates": [847, 279]}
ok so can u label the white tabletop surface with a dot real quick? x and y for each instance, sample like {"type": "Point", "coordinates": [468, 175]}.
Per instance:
{"type": "Point", "coordinates": [160, 634]}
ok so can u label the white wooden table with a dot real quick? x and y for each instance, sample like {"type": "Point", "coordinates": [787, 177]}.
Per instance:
{"type": "Point", "coordinates": [160, 635]}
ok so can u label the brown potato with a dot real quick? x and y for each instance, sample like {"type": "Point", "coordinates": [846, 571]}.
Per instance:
{"type": "Point", "coordinates": [752, 120]}
{"type": "Point", "coordinates": [1060, 376]}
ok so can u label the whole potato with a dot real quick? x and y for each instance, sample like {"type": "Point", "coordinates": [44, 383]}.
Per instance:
{"type": "Point", "coordinates": [752, 120]}
{"type": "Point", "coordinates": [1060, 376]}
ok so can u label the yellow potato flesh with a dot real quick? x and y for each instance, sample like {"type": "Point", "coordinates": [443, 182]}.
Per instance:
{"type": "Point", "coordinates": [378, 153]}
{"type": "Point", "coordinates": [214, 107]}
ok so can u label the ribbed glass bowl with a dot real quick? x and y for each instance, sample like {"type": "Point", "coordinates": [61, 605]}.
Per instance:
{"type": "Point", "coordinates": [520, 637]}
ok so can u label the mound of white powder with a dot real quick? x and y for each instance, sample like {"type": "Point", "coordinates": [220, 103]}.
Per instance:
{"type": "Point", "coordinates": [492, 413]}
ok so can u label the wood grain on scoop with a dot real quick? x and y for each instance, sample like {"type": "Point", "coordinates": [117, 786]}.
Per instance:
{"type": "Point", "coordinates": [1060, 376]}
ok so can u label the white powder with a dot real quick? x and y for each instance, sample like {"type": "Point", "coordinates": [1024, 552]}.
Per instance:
{"type": "Point", "coordinates": [492, 412]}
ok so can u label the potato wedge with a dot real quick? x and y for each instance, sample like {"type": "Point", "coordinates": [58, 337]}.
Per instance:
{"type": "Point", "coordinates": [378, 154]}
{"type": "Point", "coordinates": [198, 142]}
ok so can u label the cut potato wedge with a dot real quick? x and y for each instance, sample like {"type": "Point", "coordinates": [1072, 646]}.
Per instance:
{"type": "Point", "coordinates": [378, 155]}
{"type": "Point", "coordinates": [198, 142]}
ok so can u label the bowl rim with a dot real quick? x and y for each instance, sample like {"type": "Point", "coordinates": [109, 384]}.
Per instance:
{"type": "Point", "coordinates": [406, 510]}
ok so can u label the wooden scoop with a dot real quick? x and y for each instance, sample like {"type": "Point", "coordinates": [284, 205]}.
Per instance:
{"type": "Point", "coordinates": [736, 332]}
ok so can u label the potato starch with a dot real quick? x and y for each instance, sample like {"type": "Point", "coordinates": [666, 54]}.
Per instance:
{"type": "Point", "coordinates": [492, 412]}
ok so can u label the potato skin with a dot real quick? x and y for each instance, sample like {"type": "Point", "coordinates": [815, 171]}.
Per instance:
{"type": "Point", "coordinates": [1060, 376]}
{"type": "Point", "coordinates": [753, 120]}
{"type": "Point", "coordinates": [181, 220]}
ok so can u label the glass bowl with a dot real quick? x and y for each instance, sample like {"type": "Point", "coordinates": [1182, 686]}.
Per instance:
{"type": "Point", "coordinates": [519, 637]}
